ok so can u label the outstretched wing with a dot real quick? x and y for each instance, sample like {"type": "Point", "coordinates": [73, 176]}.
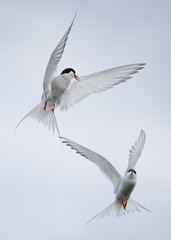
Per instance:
{"type": "Point", "coordinates": [53, 62]}
{"type": "Point", "coordinates": [104, 165]}
{"type": "Point", "coordinates": [97, 82]}
{"type": "Point", "coordinates": [136, 150]}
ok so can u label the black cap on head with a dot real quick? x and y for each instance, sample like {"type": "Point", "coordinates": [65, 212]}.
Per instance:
{"type": "Point", "coordinates": [67, 70]}
{"type": "Point", "coordinates": [132, 170]}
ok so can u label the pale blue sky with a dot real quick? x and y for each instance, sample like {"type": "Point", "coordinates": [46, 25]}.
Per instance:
{"type": "Point", "coordinates": [49, 192]}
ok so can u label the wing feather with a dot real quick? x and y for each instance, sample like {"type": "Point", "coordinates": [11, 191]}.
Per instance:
{"type": "Point", "coordinates": [104, 165]}
{"type": "Point", "coordinates": [136, 150]}
{"type": "Point", "coordinates": [97, 82]}
{"type": "Point", "coordinates": [53, 62]}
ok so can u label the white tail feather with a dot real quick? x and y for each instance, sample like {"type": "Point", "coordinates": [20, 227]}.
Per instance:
{"type": "Point", "coordinates": [46, 117]}
{"type": "Point", "coordinates": [116, 209]}
{"type": "Point", "coordinates": [133, 202]}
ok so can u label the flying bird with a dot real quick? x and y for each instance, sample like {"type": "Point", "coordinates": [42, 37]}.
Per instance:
{"type": "Point", "coordinates": [60, 91]}
{"type": "Point", "coordinates": [123, 186]}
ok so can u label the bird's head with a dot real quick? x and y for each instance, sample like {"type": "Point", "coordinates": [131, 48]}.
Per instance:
{"type": "Point", "coordinates": [131, 173]}
{"type": "Point", "coordinates": [71, 73]}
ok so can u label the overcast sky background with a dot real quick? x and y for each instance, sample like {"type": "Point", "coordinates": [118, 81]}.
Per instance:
{"type": "Point", "coordinates": [48, 191]}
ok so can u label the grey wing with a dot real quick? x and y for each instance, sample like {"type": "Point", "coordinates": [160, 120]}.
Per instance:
{"type": "Point", "coordinates": [104, 165]}
{"type": "Point", "coordinates": [136, 150]}
{"type": "Point", "coordinates": [53, 62]}
{"type": "Point", "coordinates": [97, 82]}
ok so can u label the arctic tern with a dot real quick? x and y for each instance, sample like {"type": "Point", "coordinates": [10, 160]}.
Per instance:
{"type": "Point", "coordinates": [123, 186]}
{"type": "Point", "coordinates": [59, 91]}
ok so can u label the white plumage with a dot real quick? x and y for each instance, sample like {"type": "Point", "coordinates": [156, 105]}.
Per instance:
{"type": "Point", "coordinates": [59, 91]}
{"type": "Point", "coordinates": [123, 186]}
{"type": "Point", "coordinates": [96, 82]}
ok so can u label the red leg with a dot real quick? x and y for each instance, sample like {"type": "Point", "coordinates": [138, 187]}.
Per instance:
{"type": "Point", "coordinates": [45, 105]}
{"type": "Point", "coordinates": [124, 204]}
{"type": "Point", "coordinates": [53, 108]}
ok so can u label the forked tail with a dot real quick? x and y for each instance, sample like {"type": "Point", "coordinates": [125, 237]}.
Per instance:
{"type": "Point", "coordinates": [44, 116]}
{"type": "Point", "coordinates": [116, 209]}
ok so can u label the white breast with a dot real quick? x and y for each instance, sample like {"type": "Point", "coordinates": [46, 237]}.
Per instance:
{"type": "Point", "coordinates": [59, 85]}
{"type": "Point", "coordinates": [125, 188]}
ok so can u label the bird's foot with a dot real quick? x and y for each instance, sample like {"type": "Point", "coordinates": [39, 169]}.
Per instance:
{"type": "Point", "coordinates": [53, 109]}
{"type": "Point", "coordinates": [124, 204]}
{"type": "Point", "coordinates": [45, 106]}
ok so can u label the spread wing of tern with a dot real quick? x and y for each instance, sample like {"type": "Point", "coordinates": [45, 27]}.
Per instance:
{"type": "Point", "coordinates": [59, 91]}
{"type": "Point", "coordinates": [123, 186]}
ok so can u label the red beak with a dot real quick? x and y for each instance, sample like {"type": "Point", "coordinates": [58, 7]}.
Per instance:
{"type": "Point", "coordinates": [132, 170]}
{"type": "Point", "coordinates": [76, 77]}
